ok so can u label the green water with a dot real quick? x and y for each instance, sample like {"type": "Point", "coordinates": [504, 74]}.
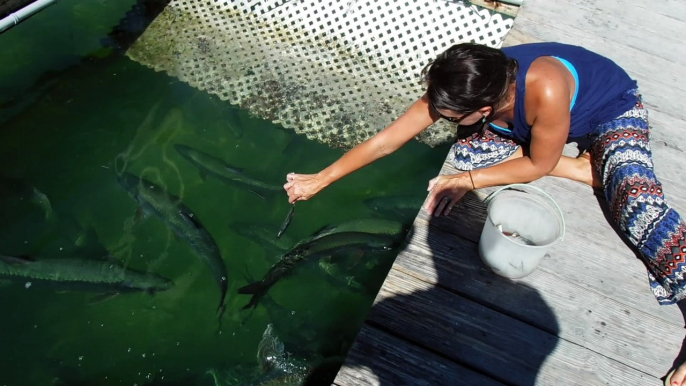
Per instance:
{"type": "Point", "coordinates": [74, 114]}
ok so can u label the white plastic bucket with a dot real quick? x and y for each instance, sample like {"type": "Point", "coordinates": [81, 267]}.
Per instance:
{"type": "Point", "coordinates": [519, 230]}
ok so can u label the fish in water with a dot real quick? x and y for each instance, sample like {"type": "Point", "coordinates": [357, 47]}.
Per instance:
{"type": "Point", "coordinates": [311, 251]}
{"type": "Point", "coordinates": [269, 350]}
{"type": "Point", "coordinates": [152, 199]}
{"type": "Point", "coordinates": [276, 367]}
{"type": "Point", "coordinates": [20, 189]}
{"type": "Point", "coordinates": [338, 276]}
{"type": "Point", "coordinates": [263, 235]}
{"type": "Point", "coordinates": [103, 276]}
{"type": "Point", "coordinates": [286, 222]}
{"type": "Point", "coordinates": [208, 164]}
{"type": "Point", "coordinates": [404, 208]}
{"type": "Point", "coordinates": [368, 225]}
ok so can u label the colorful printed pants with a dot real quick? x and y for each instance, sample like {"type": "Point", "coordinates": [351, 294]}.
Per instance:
{"type": "Point", "coordinates": [621, 153]}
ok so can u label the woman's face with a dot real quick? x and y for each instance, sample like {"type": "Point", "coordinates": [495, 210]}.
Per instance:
{"type": "Point", "coordinates": [460, 119]}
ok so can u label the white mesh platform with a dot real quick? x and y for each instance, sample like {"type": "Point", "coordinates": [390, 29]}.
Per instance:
{"type": "Point", "coordinates": [335, 71]}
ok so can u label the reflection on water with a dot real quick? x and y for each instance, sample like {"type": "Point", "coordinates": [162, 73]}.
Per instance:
{"type": "Point", "coordinates": [130, 203]}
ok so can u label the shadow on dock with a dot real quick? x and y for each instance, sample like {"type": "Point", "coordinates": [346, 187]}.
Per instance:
{"type": "Point", "coordinates": [442, 317]}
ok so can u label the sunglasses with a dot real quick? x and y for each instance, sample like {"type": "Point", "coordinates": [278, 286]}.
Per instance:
{"type": "Point", "coordinates": [473, 127]}
{"type": "Point", "coordinates": [449, 119]}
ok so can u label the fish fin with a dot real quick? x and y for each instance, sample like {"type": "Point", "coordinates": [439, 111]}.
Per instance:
{"type": "Point", "coordinates": [220, 317]}
{"type": "Point", "coordinates": [248, 276]}
{"type": "Point", "coordinates": [203, 175]}
{"type": "Point", "coordinates": [234, 170]}
{"type": "Point", "coordinates": [323, 231]}
{"type": "Point", "coordinates": [247, 317]}
{"type": "Point", "coordinates": [90, 246]}
{"type": "Point", "coordinates": [350, 280]}
{"type": "Point", "coordinates": [251, 289]}
{"type": "Point", "coordinates": [356, 257]}
{"type": "Point", "coordinates": [254, 300]}
{"type": "Point", "coordinates": [102, 298]}
{"type": "Point", "coordinates": [16, 260]}
{"type": "Point", "coordinates": [139, 216]}
{"type": "Point", "coordinates": [257, 194]}
{"type": "Point", "coordinates": [190, 219]}
{"type": "Point", "coordinates": [72, 231]}
{"type": "Point", "coordinates": [62, 292]}
{"type": "Point", "coordinates": [110, 258]}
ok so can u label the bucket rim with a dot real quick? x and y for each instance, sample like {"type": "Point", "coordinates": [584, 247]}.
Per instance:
{"type": "Point", "coordinates": [563, 224]}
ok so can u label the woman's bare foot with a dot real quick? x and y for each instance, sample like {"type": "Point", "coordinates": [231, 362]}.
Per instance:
{"type": "Point", "coordinates": [586, 168]}
{"type": "Point", "coordinates": [578, 169]}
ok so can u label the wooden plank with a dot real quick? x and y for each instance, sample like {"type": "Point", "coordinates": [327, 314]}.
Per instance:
{"type": "Point", "coordinates": [497, 345]}
{"type": "Point", "coordinates": [590, 245]}
{"type": "Point", "coordinates": [378, 358]}
{"type": "Point", "coordinates": [546, 301]}
{"type": "Point", "coordinates": [637, 25]}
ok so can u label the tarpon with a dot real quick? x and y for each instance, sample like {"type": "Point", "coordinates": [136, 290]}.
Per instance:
{"type": "Point", "coordinates": [264, 236]}
{"type": "Point", "coordinates": [401, 207]}
{"type": "Point", "coordinates": [336, 243]}
{"type": "Point", "coordinates": [103, 276]}
{"type": "Point", "coordinates": [208, 164]}
{"type": "Point", "coordinates": [152, 199]}
{"type": "Point", "coordinates": [367, 225]}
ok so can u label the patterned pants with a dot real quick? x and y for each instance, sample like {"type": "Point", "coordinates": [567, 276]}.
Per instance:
{"type": "Point", "coordinates": [621, 153]}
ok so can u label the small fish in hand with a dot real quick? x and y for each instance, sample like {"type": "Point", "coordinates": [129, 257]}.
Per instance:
{"type": "Point", "coordinates": [286, 222]}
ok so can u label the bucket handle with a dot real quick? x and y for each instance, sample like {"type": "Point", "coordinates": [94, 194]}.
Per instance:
{"type": "Point", "coordinates": [539, 190]}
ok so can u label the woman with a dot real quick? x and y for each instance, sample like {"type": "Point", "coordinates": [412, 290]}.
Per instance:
{"type": "Point", "coordinates": [522, 104]}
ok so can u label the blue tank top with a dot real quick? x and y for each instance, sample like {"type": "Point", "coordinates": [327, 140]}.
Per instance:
{"type": "Point", "coordinates": [601, 87]}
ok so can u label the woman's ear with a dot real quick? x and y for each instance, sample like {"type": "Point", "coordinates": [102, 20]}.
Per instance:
{"type": "Point", "coordinates": [486, 111]}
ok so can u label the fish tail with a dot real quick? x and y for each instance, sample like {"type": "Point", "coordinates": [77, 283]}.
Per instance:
{"type": "Point", "coordinates": [251, 289]}
{"type": "Point", "coordinates": [221, 308]}
{"type": "Point", "coordinates": [254, 300]}
{"type": "Point", "coordinates": [248, 317]}
{"type": "Point", "coordinates": [220, 316]}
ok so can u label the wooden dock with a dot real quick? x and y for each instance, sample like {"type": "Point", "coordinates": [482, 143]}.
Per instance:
{"type": "Point", "coordinates": [586, 316]}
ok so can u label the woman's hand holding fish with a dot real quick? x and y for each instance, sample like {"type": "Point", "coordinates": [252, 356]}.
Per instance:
{"type": "Point", "coordinates": [302, 187]}
{"type": "Point", "coordinates": [445, 192]}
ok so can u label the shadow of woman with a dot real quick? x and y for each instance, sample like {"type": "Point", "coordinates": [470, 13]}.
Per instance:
{"type": "Point", "coordinates": [443, 318]}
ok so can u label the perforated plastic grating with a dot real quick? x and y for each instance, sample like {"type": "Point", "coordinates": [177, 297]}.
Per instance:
{"type": "Point", "coordinates": [337, 72]}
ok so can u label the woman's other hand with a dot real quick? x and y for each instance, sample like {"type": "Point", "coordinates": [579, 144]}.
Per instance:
{"type": "Point", "coordinates": [445, 192]}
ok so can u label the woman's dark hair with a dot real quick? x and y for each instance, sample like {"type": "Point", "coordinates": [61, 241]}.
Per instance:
{"type": "Point", "coordinates": [468, 76]}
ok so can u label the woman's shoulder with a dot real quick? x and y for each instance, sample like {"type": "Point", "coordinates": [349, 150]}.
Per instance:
{"type": "Point", "coordinates": [547, 82]}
